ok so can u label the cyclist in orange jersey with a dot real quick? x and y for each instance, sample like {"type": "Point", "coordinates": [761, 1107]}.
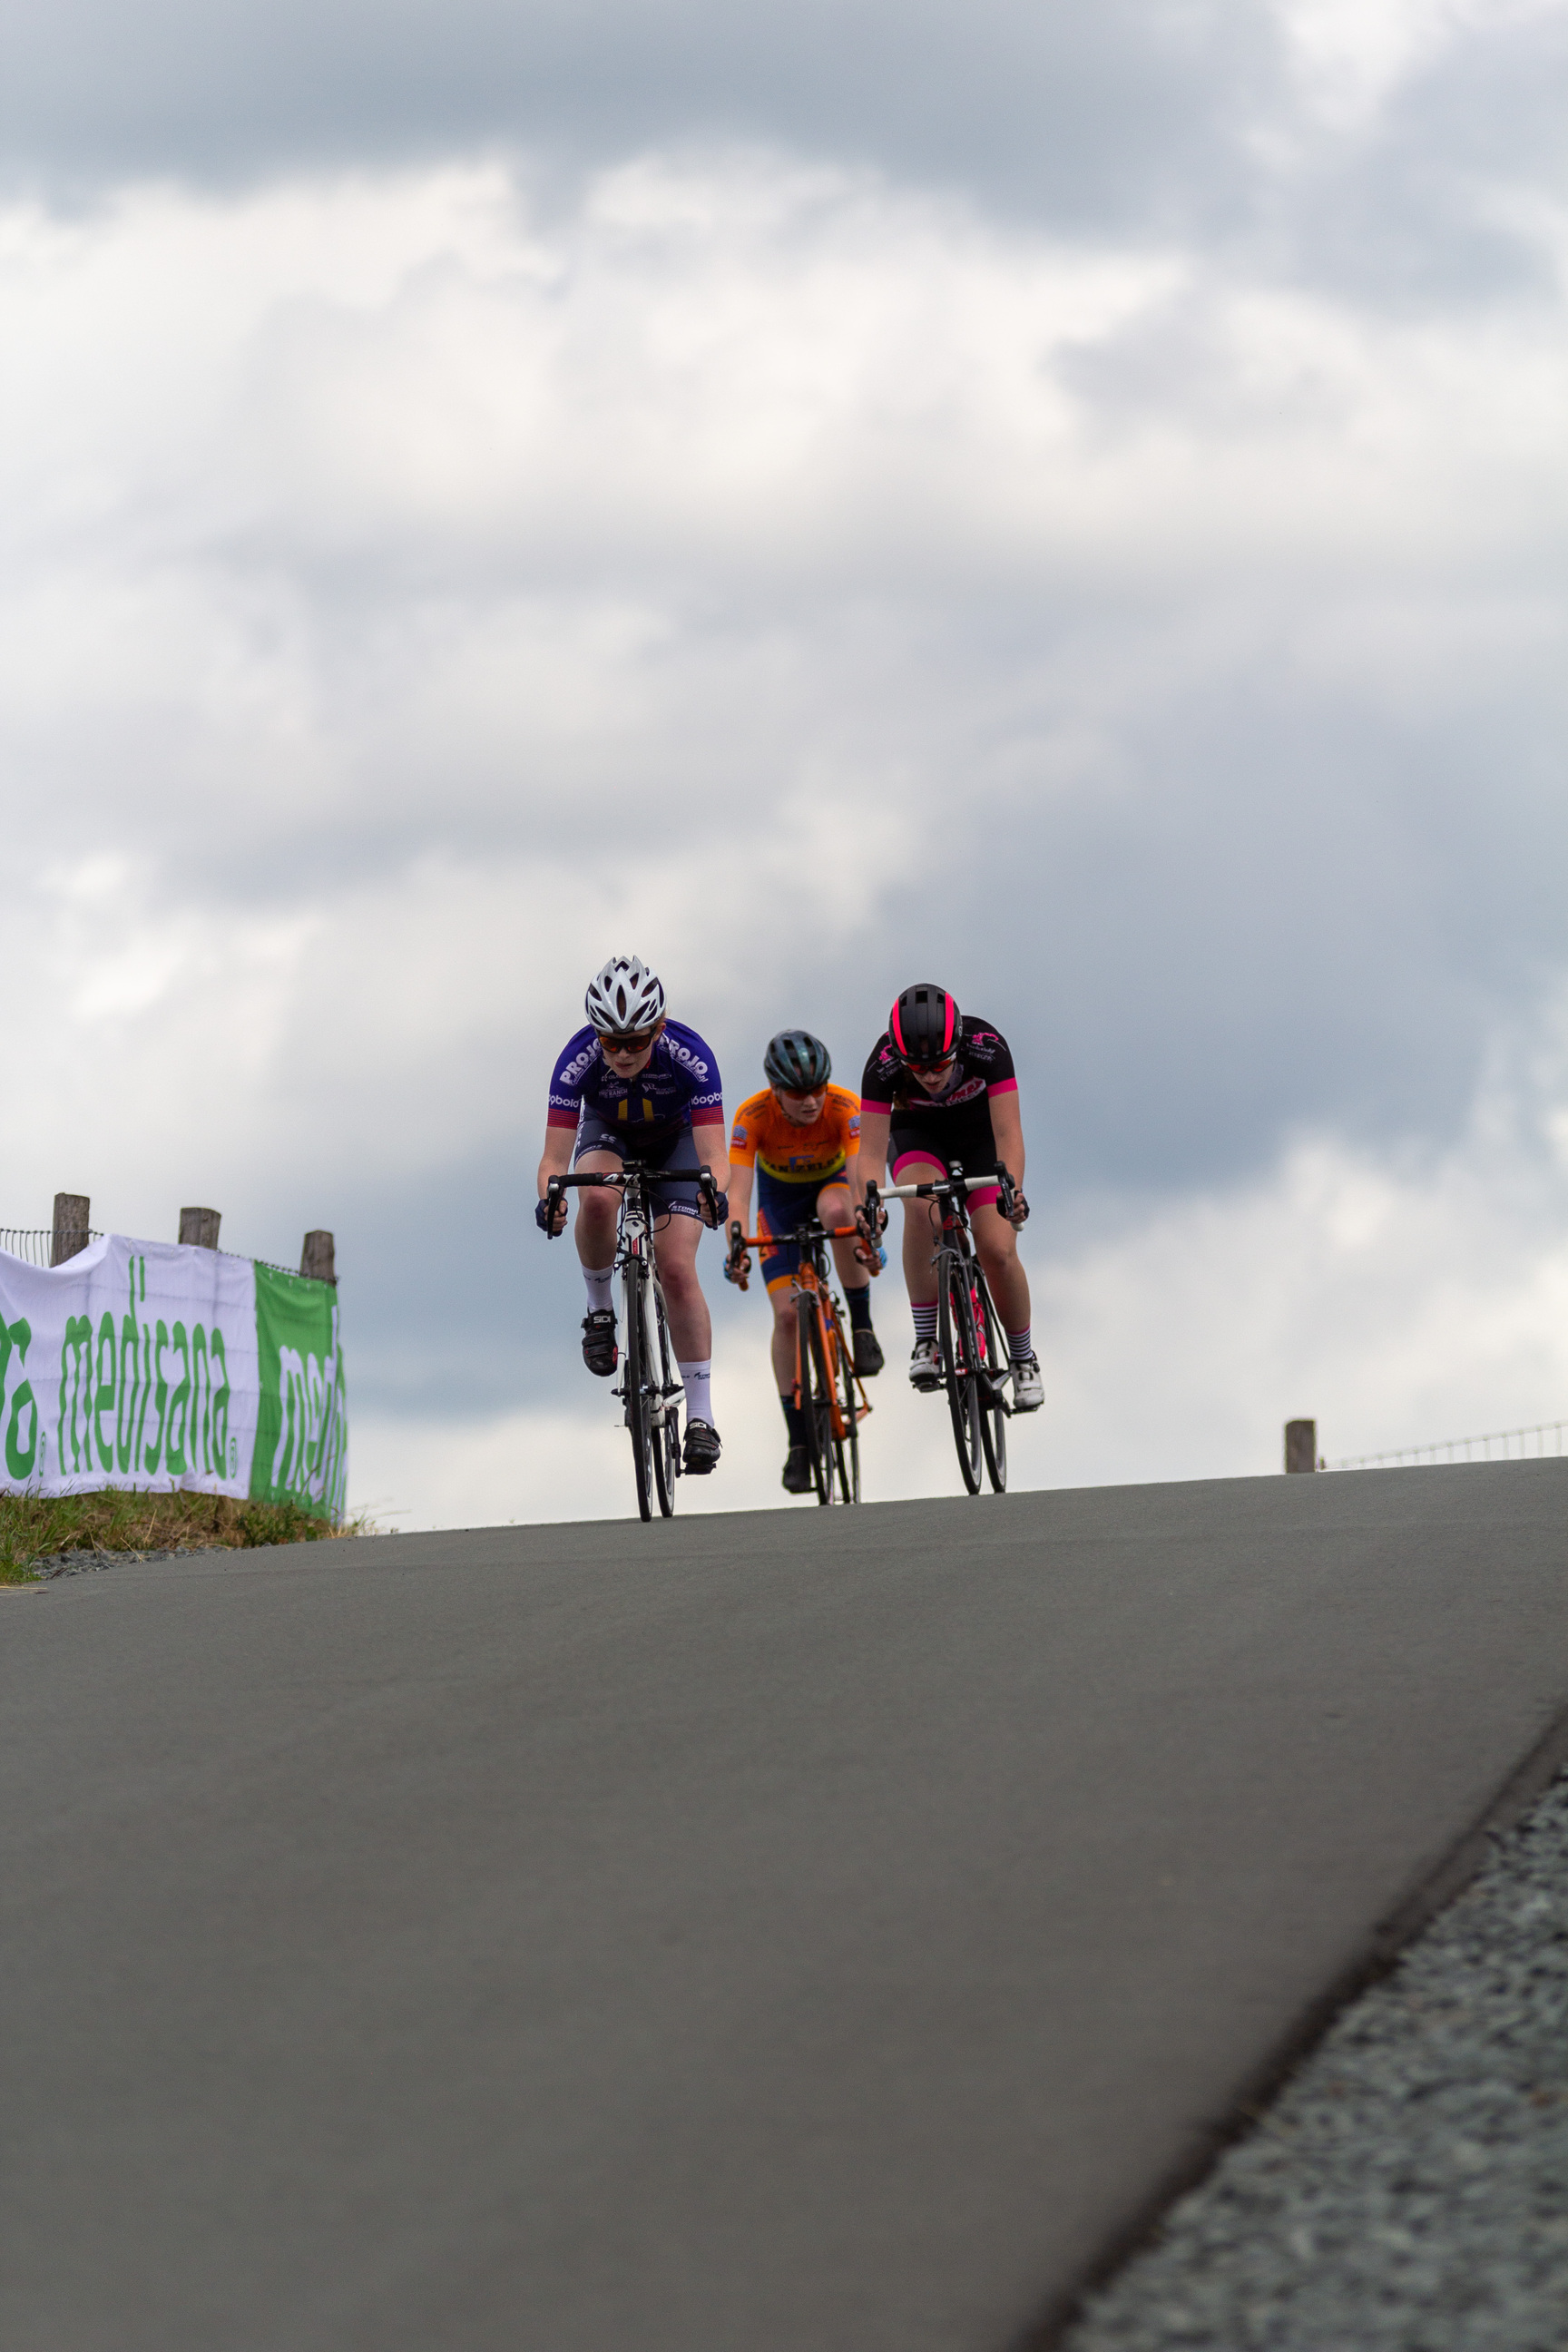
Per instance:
{"type": "Point", "coordinates": [801, 1137]}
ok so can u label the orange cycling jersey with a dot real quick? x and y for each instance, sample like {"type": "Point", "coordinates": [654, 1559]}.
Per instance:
{"type": "Point", "coordinates": [764, 1138]}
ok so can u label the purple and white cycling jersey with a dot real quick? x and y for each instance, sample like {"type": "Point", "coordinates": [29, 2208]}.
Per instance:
{"type": "Point", "coordinates": [681, 1078]}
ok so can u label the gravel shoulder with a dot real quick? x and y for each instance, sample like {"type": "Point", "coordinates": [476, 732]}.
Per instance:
{"type": "Point", "coordinates": [1409, 2187]}
{"type": "Point", "coordinates": [89, 1563]}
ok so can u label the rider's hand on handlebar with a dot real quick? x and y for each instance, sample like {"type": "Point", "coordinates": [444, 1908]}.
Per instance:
{"type": "Point", "coordinates": [715, 1205]}
{"type": "Point", "coordinates": [1018, 1213]}
{"type": "Point", "coordinates": [549, 1221]}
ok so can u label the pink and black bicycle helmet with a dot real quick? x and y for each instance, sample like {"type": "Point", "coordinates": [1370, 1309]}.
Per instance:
{"type": "Point", "coordinates": [923, 1026]}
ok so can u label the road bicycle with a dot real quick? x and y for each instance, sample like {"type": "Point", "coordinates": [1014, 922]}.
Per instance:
{"type": "Point", "coordinates": [976, 1369]}
{"type": "Point", "coordinates": [649, 1386]}
{"type": "Point", "coordinates": [824, 1378]}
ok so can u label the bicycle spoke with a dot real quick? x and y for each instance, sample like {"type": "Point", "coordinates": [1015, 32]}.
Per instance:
{"type": "Point", "coordinates": [667, 1429]}
{"type": "Point", "coordinates": [848, 1447]}
{"type": "Point", "coordinates": [637, 1420]}
{"type": "Point", "coordinates": [955, 1334]}
{"type": "Point", "coordinates": [819, 1404]}
{"type": "Point", "coordinates": [994, 1395]}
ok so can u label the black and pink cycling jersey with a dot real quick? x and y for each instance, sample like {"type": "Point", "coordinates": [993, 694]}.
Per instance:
{"type": "Point", "coordinates": [953, 1125]}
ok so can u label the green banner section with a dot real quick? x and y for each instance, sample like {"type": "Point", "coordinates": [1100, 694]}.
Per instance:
{"type": "Point", "coordinates": [302, 1430]}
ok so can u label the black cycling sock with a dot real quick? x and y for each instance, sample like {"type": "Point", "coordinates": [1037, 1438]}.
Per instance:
{"type": "Point", "coordinates": [794, 1419]}
{"type": "Point", "coordinates": [858, 1302]}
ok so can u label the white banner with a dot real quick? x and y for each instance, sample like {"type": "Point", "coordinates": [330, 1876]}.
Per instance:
{"type": "Point", "coordinates": [134, 1364]}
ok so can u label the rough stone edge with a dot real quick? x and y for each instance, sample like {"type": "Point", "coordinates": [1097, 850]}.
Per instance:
{"type": "Point", "coordinates": [1431, 1894]}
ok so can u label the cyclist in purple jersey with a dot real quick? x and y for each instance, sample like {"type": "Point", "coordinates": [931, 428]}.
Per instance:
{"type": "Point", "coordinates": [677, 1082]}
{"type": "Point", "coordinates": [634, 1085]}
{"type": "Point", "coordinates": [940, 1087]}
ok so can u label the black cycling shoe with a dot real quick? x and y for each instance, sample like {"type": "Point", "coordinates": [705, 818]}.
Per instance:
{"type": "Point", "coordinates": [600, 1353]}
{"type": "Point", "coordinates": [798, 1472]}
{"type": "Point", "coordinates": [702, 1448]}
{"type": "Point", "coordinates": [869, 1356]}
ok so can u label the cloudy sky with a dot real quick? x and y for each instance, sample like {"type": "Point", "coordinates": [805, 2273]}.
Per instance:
{"type": "Point", "coordinates": [1067, 501]}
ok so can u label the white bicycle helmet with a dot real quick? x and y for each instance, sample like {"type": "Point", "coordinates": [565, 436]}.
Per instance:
{"type": "Point", "coordinates": [624, 998]}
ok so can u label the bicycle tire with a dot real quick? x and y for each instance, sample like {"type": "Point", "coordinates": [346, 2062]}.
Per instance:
{"type": "Point", "coordinates": [955, 1337]}
{"type": "Point", "coordinates": [993, 1406]}
{"type": "Point", "coordinates": [816, 1397]}
{"type": "Point", "coordinates": [848, 1448]}
{"type": "Point", "coordinates": [636, 1385]}
{"type": "Point", "coordinates": [666, 1434]}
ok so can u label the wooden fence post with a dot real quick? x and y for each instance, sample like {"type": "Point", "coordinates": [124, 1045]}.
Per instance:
{"type": "Point", "coordinates": [73, 1213]}
{"type": "Point", "coordinates": [198, 1228]}
{"type": "Point", "coordinates": [318, 1259]}
{"type": "Point", "coordinates": [1301, 1445]}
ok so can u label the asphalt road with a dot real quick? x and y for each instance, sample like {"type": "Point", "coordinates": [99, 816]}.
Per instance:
{"type": "Point", "coordinates": [763, 1934]}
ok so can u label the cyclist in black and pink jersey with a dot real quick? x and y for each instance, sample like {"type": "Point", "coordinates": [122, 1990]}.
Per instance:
{"type": "Point", "coordinates": [940, 1086]}
{"type": "Point", "coordinates": [634, 1085]}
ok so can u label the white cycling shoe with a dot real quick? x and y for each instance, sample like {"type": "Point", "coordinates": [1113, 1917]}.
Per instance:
{"type": "Point", "coordinates": [925, 1367]}
{"type": "Point", "coordinates": [1028, 1387]}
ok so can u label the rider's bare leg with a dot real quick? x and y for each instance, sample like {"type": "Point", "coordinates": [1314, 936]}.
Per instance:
{"type": "Point", "coordinates": [595, 1233]}
{"type": "Point", "coordinates": [598, 1211]}
{"type": "Point", "coordinates": [835, 1208]}
{"type": "Point", "coordinates": [675, 1253]}
{"type": "Point", "coordinates": [675, 1243]}
{"type": "Point", "coordinates": [996, 1246]}
{"type": "Point", "coordinates": [923, 1232]}
{"type": "Point", "coordinates": [786, 1322]}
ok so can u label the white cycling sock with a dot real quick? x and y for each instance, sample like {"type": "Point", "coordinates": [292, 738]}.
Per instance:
{"type": "Point", "coordinates": [925, 1312]}
{"type": "Point", "coordinates": [696, 1379]}
{"type": "Point", "coordinates": [600, 1281]}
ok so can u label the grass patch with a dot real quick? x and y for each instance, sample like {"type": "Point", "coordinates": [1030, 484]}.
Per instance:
{"type": "Point", "coordinates": [36, 1528]}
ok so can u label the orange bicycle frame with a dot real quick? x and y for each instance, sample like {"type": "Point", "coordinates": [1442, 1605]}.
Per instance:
{"type": "Point", "coordinates": [803, 1280]}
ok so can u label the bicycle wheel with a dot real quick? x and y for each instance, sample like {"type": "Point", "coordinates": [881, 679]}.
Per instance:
{"type": "Point", "coordinates": [992, 1390]}
{"type": "Point", "coordinates": [817, 1400]}
{"type": "Point", "coordinates": [956, 1337]}
{"type": "Point", "coordinates": [635, 1382]}
{"type": "Point", "coordinates": [666, 1412]}
{"type": "Point", "coordinates": [847, 1449]}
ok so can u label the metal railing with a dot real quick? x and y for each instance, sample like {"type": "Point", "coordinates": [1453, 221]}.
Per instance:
{"type": "Point", "coordinates": [1514, 1443]}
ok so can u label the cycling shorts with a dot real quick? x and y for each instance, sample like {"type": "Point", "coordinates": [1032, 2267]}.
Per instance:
{"type": "Point", "coordinates": [780, 1208]}
{"type": "Point", "coordinates": [963, 1134]}
{"type": "Point", "coordinates": [676, 1149]}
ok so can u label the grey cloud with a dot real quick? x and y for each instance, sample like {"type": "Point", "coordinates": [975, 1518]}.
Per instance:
{"type": "Point", "coordinates": [1223, 898]}
{"type": "Point", "coordinates": [1417, 211]}
{"type": "Point", "coordinates": [1293, 920]}
{"type": "Point", "coordinates": [1161, 121]}
{"type": "Point", "coordinates": [1258, 901]}
{"type": "Point", "coordinates": [1101, 115]}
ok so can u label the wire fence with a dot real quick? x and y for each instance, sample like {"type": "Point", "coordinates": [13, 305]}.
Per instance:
{"type": "Point", "coordinates": [1543, 1437]}
{"type": "Point", "coordinates": [35, 1243]}
{"type": "Point", "coordinates": [295, 1272]}
{"type": "Point", "coordinates": [36, 1246]}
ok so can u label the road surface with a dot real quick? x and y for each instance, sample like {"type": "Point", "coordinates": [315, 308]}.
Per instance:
{"type": "Point", "coordinates": [792, 1932]}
